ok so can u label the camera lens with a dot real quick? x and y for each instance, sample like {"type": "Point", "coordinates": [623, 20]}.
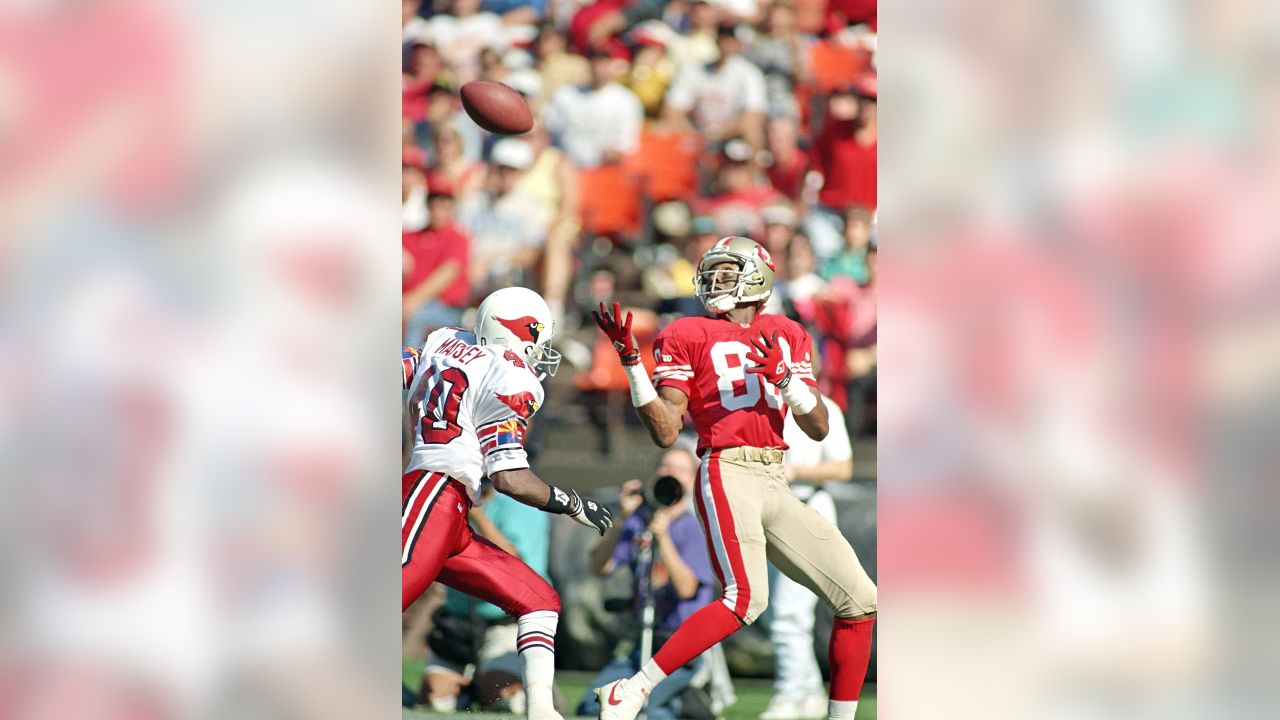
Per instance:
{"type": "Point", "coordinates": [666, 491]}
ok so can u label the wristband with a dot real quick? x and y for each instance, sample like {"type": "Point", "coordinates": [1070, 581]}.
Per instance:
{"type": "Point", "coordinates": [642, 391]}
{"type": "Point", "coordinates": [561, 502]}
{"type": "Point", "coordinates": [799, 398]}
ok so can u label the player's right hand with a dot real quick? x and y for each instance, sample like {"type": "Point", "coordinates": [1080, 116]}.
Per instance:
{"type": "Point", "coordinates": [618, 329]}
{"type": "Point", "coordinates": [592, 514]}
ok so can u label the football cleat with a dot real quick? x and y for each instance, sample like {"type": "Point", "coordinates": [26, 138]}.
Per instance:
{"type": "Point", "coordinates": [621, 700]}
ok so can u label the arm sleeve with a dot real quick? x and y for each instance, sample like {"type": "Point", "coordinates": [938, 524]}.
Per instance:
{"type": "Point", "coordinates": [409, 363]}
{"type": "Point", "coordinates": [502, 413]}
{"type": "Point", "coordinates": [802, 357]}
{"type": "Point", "coordinates": [673, 366]}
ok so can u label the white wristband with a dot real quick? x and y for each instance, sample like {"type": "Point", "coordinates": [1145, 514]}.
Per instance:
{"type": "Point", "coordinates": [799, 397]}
{"type": "Point", "coordinates": [642, 392]}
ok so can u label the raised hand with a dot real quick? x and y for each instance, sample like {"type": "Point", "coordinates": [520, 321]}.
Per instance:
{"type": "Point", "coordinates": [618, 330]}
{"type": "Point", "coordinates": [770, 362]}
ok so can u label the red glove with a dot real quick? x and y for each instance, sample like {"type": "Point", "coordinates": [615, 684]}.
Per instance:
{"type": "Point", "coordinates": [770, 364]}
{"type": "Point", "coordinates": [619, 332]}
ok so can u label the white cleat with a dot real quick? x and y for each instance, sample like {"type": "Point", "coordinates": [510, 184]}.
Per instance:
{"type": "Point", "coordinates": [620, 700]}
{"type": "Point", "coordinates": [543, 714]}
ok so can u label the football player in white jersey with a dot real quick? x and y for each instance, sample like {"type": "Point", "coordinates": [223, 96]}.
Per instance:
{"type": "Point", "coordinates": [469, 400]}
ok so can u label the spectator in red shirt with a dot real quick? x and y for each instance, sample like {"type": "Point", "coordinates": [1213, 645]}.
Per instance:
{"type": "Point", "coordinates": [435, 288]}
{"type": "Point", "coordinates": [788, 162]}
{"type": "Point", "coordinates": [845, 154]}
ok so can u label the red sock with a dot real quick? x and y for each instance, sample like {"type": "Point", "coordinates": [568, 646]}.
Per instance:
{"type": "Point", "coordinates": [699, 631]}
{"type": "Point", "coordinates": [849, 652]}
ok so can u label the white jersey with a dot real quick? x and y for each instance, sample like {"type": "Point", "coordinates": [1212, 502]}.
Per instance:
{"type": "Point", "coordinates": [472, 404]}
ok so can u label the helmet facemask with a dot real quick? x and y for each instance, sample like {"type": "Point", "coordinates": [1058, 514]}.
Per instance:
{"type": "Point", "coordinates": [544, 360]}
{"type": "Point", "coordinates": [723, 289]}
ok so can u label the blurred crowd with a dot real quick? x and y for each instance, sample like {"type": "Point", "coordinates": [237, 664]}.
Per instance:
{"type": "Point", "coordinates": [661, 127]}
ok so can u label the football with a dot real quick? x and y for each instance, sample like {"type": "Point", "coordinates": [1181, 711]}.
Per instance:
{"type": "Point", "coordinates": [496, 107]}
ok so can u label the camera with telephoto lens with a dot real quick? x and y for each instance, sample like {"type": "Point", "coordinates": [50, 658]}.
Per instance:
{"type": "Point", "coordinates": [662, 491]}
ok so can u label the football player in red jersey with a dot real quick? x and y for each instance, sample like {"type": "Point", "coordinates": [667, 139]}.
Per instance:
{"type": "Point", "coordinates": [737, 373]}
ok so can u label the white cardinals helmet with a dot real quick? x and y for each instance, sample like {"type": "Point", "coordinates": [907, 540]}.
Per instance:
{"type": "Point", "coordinates": [518, 319]}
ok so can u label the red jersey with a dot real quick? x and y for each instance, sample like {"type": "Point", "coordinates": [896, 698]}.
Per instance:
{"type": "Point", "coordinates": [705, 358]}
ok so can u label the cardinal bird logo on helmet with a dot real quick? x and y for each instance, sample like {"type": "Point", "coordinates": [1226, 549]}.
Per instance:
{"type": "Point", "coordinates": [526, 328]}
{"type": "Point", "coordinates": [521, 403]}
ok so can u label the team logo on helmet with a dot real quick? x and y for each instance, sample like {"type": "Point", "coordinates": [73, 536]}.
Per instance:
{"type": "Point", "coordinates": [526, 328]}
{"type": "Point", "coordinates": [765, 256]}
{"type": "Point", "coordinates": [521, 403]}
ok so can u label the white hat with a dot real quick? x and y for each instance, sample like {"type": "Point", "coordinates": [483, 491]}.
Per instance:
{"type": "Point", "coordinates": [526, 82]}
{"type": "Point", "coordinates": [512, 153]}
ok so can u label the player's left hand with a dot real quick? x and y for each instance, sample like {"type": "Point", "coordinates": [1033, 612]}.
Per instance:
{"type": "Point", "coordinates": [770, 362]}
{"type": "Point", "coordinates": [592, 514]}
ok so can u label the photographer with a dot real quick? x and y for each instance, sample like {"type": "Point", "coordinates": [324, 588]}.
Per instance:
{"type": "Point", "coordinates": [681, 572]}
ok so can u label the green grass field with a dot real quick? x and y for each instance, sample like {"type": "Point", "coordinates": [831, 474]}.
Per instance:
{"type": "Point", "coordinates": [753, 696]}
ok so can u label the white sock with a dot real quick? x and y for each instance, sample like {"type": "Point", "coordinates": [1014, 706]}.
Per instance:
{"type": "Point", "coordinates": [536, 645]}
{"type": "Point", "coordinates": [842, 709]}
{"type": "Point", "coordinates": [649, 676]}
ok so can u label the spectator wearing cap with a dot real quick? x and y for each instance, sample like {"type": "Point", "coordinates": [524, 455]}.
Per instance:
{"type": "Point", "coordinates": [723, 99]}
{"type": "Point", "coordinates": [779, 53]}
{"type": "Point", "coordinates": [845, 155]}
{"type": "Point", "coordinates": [435, 287]}
{"type": "Point", "coordinates": [596, 123]}
{"type": "Point", "coordinates": [740, 194]}
{"type": "Point", "coordinates": [508, 226]}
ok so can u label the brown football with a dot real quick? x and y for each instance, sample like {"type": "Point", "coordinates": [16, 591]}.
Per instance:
{"type": "Point", "coordinates": [496, 107]}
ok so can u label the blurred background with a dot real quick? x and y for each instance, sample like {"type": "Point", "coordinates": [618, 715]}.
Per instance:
{"type": "Point", "coordinates": [660, 128]}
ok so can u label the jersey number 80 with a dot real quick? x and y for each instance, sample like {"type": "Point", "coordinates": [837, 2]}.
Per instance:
{"type": "Point", "coordinates": [737, 388]}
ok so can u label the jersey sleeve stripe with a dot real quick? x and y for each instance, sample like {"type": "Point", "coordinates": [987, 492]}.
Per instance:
{"type": "Point", "coordinates": [669, 366]}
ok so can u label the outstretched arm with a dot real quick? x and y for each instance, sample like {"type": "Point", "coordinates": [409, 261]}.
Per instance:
{"type": "Point", "coordinates": [661, 412]}
{"type": "Point", "coordinates": [522, 485]}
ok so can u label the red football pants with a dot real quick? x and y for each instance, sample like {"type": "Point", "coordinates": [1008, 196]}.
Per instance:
{"type": "Point", "coordinates": [436, 543]}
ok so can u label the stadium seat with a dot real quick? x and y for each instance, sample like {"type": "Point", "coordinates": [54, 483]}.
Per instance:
{"type": "Point", "coordinates": [609, 200]}
{"type": "Point", "coordinates": [666, 165]}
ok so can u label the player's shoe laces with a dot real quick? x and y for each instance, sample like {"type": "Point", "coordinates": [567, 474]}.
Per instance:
{"type": "Point", "coordinates": [620, 700]}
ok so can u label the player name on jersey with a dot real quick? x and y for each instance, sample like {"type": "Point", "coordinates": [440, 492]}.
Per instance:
{"type": "Point", "coordinates": [460, 350]}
